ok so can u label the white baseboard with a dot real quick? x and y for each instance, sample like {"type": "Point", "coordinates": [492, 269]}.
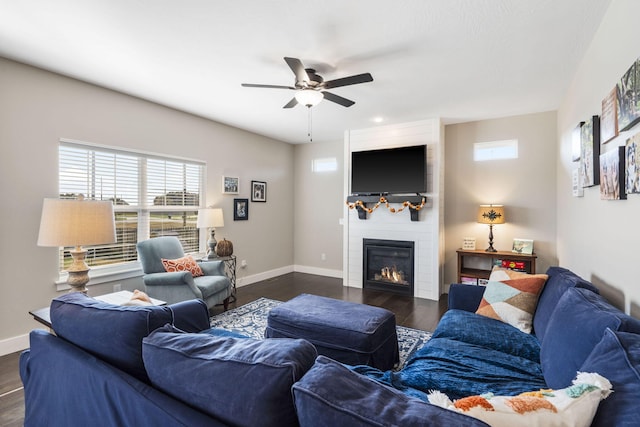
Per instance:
{"type": "Point", "coordinates": [319, 271]}
{"type": "Point", "coordinates": [14, 344]}
{"type": "Point", "coordinates": [265, 275]}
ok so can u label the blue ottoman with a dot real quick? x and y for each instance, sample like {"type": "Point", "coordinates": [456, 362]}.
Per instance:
{"type": "Point", "coordinates": [351, 333]}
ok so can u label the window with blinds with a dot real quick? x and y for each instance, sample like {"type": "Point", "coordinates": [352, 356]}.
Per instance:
{"type": "Point", "coordinates": [152, 196]}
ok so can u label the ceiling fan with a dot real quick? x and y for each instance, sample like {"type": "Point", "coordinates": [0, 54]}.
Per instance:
{"type": "Point", "coordinates": [311, 88]}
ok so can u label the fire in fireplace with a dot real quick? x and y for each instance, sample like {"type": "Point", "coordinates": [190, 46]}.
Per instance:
{"type": "Point", "coordinates": [388, 265]}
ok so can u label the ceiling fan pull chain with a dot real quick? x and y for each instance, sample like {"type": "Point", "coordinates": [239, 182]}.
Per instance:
{"type": "Point", "coordinates": [310, 127]}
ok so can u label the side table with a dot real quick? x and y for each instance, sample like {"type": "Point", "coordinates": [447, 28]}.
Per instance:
{"type": "Point", "coordinates": [230, 271]}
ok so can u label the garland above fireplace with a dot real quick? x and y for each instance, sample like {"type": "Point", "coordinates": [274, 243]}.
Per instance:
{"type": "Point", "coordinates": [414, 203]}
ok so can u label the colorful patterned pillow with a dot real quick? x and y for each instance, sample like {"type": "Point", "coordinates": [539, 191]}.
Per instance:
{"type": "Point", "coordinates": [573, 406]}
{"type": "Point", "coordinates": [512, 297]}
{"type": "Point", "coordinates": [186, 263]}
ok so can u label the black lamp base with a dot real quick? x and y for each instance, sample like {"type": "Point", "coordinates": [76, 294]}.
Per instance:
{"type": "Point", "coordinates": [490, 248]}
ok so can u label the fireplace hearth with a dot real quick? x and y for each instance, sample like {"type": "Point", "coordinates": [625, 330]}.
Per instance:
{"type": "Point", "coordinates": [388, 265]}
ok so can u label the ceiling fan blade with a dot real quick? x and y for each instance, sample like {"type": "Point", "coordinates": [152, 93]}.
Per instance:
{"type": "Point", "coordinates": [337, 99]}
{"type": "Point", "coordinates": [291, 103]}
{"type": "Point", "coordinates": [346, 81]}
{"type": "Point", "coordinates": [298, 69]}
{"type": "Point", "coordinates": [267, 86]}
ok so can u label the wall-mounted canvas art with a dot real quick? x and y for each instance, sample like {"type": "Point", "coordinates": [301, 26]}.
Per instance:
{"type": "Point", "coordinates": [609, 117]}
{"type": "Point", "coordinates": [632, 165]}
{"type": "Point", "coordinates": [576, 144]}
{"type": "Point", "coordinates": [612, 175]}
{"type": "Point", "coordinates": [590, 152]}
{"type": "Point", "coordinates": [629, 98]}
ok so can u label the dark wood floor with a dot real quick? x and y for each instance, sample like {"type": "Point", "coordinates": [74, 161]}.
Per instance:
{"type": "Point", "coordinates": [410, 312]}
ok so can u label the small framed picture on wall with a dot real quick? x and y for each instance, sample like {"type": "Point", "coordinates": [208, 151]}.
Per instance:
{"type": "Point", "coordinates": [240, 209]}
{"type": "Point", "coordinates": [230, 185]}
{"type": "Point", "coordinates": [258, 191]}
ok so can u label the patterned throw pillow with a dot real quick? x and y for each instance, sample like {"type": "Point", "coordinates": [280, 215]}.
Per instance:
{"type": "Point", "coordinates": [572, 406]}
{"type": "Point", "coordinates": [186, 263]}
{"type": "Point", "coordinates": [512, 297]}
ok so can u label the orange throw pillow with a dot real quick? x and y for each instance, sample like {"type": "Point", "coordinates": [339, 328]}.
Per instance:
{"type": "Point", "coordinates": [186, 263]}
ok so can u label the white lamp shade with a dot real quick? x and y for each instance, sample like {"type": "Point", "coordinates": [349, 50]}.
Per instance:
{"type": "Point", "coordinates": [309, 97]}
{"type": "Point", "coordinates": [76, 223]}
{"type": "Point", "coordinates": [210, 218]}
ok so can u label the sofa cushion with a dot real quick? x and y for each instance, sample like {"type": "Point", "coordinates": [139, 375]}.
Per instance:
{"type": "Point", "coordinates": [472, 328]}
{"type": "Point", "coordinates": [576, 326]}
{"type": "Point", "coordinates": [617, 357]}
{"type": "Point", "coordinates": [560, 279]}
{"type": "Point", "coordinates": [242, 381]}
{"type": "Point", "coordinates": [573, 406]}
{"type": "Point", "coordinates": [512, 300]}
{"type": "Point", "coordinates": [331, 395]}
{"type": "Point", "coordinates": [112, 332]}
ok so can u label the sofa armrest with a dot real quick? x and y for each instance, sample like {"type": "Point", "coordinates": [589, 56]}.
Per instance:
{"type": "Point", "coordinates": [190, 316]}
{"type": "Point", "coordinates": [212, 268]}
{"type": "Point", "coordinates": [173, 279]}
{"type": "Point", "coordinates": [465, 297]}
{"type": "Point", "coordinates": [330, 394]}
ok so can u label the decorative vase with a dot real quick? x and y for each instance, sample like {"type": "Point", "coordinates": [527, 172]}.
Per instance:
{"type": "Point", "coordinates": [224, 248]}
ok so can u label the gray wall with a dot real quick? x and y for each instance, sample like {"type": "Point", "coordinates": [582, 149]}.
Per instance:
{"type": "Point", "coordinates": [37, 108]}
{"type": "Point", "coordinates": [319, 205]}
{"type": "Point", "coordinates": [526, 186]}
{"type": "Point", "coordinates": [599, 239]}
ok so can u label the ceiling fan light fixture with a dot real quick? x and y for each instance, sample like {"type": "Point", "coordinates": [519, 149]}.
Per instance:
{"type": "Point", "coordinates": [309, 97]}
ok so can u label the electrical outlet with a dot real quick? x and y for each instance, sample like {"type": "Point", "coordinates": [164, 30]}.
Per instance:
{"type": "Point", "coordinates": [243, 263]}
{"type": "Point", "coordinates": [323, 257]}
{"type": "Point", "coordinates": [117, 287]}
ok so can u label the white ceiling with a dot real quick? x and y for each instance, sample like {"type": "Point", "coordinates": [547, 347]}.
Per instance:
{"type": "Point", "coordinates": [460, 60]}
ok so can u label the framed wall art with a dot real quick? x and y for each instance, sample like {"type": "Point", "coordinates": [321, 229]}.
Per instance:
{"type": "Point", "coordinates": [609, 117]}
{"type": "Point", "coordinates": [230, 185]}
{"type": "Point", "coordinates": [240, 209]}
{"type": "Point", "coordinates": [611, 175]}
{"type": "Point", "coordinates": [576, 136]}
{"type": "Point", "coordinates": [590, 152]}
{"type": "Point", "coordinates": [632, 165]}
{"type": "Point", "coordinates": [258, 191]}
{"type": "Point", "coordinates": [628, 98]}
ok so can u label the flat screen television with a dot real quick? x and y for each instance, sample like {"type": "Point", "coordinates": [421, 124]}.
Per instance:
{"type": "Point", "coordinates": [390, 171]}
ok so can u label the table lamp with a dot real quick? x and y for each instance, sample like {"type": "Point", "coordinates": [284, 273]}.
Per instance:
{"type": "Point", "coordinates": [211, 218]}
{"type": "Point", "coordinates": [491, 214]}
{"type": "Point", "coordinates": [77, 222]}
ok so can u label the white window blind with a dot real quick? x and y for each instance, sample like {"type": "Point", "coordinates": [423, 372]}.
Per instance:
{"type": "Point", "coordinates": [152, 195]}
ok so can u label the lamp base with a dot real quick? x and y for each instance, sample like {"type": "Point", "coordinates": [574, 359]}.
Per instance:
{"type": "Point", "coordinates": [490, 248]}
{"type": "Point", "coordinates": [78, 271]}
{"type": "Point", "coordinates": [211, 253]}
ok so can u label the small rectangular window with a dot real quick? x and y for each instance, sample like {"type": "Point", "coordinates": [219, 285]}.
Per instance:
{"type": "Point", "coordinates": [328, 164]}
{"type": "Point", "coordinates": [495, 150]}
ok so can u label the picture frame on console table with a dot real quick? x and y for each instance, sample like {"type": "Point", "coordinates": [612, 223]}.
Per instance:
{"type": "Point", "coordinates": [522, 246]}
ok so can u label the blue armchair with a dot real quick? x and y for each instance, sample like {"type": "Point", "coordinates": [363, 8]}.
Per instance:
{"type": "Point", "coordinates": [213, 288]}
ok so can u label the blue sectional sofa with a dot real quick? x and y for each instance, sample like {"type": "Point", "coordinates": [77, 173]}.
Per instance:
{"type": "Point", "coordinates": [150, 366]}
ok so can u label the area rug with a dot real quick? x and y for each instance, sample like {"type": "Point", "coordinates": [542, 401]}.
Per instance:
{"type": "Point", "coordinates": [251, 320]}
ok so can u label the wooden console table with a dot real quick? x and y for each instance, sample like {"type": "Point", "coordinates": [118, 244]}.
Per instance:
{"type": "Point", "coordinates": [484, 261]}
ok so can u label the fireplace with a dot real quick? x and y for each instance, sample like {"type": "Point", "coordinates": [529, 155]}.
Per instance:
{"type": "Point", "coordinates": [388, 265]}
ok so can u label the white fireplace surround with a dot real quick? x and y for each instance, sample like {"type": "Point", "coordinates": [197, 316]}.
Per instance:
{"type": "Point", "coordinates": [427, 233]}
